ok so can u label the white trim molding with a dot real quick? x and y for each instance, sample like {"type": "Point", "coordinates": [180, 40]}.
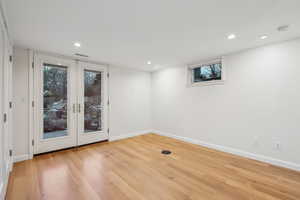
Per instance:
{"type": "Point", "coordinates": [19, 158]}
{"type": "Point", "coordinates": [266, 159]}
{"type": "Point", "coordinates": [31, 102]}
{"type": "Point", "coordinates": [3, 186]}
{"type": "Point", "coordinates": [128, 135]}
{"type": "Point", "coordinates": [2, 191]}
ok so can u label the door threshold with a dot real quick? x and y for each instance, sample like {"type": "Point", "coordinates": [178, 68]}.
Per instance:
{"type": "Point", "coordinates": [69, 148]}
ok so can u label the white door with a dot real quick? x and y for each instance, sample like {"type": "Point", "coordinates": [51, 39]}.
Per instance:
{"type": "Point", "coordinates": [7, 87]}
{"type": "Point", "coordinates": [92, 103]}
{"type": "Point", "coordinates": [55, 109]}
{"type": "Point", "coordinates": [71, 103]}
{"type": "Point", "coordinates": [2, 163]}
{"type": "Point", "coordinates": [5, 111]}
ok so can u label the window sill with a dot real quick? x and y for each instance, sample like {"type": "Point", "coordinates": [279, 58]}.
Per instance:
{"type": "Point", "coordinates": [199, 84]}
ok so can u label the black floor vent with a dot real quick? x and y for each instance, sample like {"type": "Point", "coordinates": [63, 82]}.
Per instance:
{"type": "Point", "coordinates": [166, 152]}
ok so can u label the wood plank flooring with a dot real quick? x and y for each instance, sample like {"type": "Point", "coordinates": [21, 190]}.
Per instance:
{"type": "Point", "coordinates": [135, 169]}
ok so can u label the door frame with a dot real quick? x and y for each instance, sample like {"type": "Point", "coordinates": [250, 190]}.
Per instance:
{"type": "Point", "coordinates": [6, 150]}
{"type": "Point", "coordinates": [33, 97]}
{"type": "Point", "coordinates": [7, 107]}
{"type": "Point", "coordinates": [2, 111]}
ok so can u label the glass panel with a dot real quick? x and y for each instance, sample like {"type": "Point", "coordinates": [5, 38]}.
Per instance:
{"type": "Point", "coordinates": [208, 72]}
{"type": "Point", "coordinates": [92, 101]}
{"type": "Point", "coordinates": [55, 101]}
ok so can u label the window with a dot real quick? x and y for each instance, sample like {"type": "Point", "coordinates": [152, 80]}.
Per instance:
{"type": "Point", "coordinates": [207, 73]}
{"type": "Point", "coordinates": [92, 101]}
{"type": "Point", "coordinates": [55, 104]}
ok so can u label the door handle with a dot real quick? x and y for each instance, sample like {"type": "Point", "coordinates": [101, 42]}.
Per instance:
{"type": "Point", "coordinates": [74, 108]}
{"type": "Point", "coordinates": [79, 109]}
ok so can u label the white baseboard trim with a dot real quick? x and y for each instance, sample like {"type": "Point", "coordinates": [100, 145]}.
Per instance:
{"type": "Point", "coordinates": [3, 185]}
{"type": "Point", "coordinates": [2, 191]}
{"type": "Point", "coordinates": [19, 158]}
{"type": "Point", "coordinates": [269, 160]}
{"type": "Point", "coordinates": [128, 135]}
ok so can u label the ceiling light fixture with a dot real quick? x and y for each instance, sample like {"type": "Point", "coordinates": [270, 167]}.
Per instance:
{"type": "Point", "coordinates": [231, 36]}
{"type": "Point", "coordinates": [263, 37]}
{"type": "Point", "coordinates": [77, 44]}
{"type": "Point", "coordinates": [149, 62]}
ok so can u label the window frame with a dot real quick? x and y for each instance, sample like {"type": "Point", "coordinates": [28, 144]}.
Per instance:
{"type": "Point", "coordinates": [190, 73]}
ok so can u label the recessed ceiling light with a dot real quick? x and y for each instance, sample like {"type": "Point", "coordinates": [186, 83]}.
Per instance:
{"type": "Point", "coordinates": [231, 36]}
{"type": "Point", "coordinates": [77, 44]}
{"type": "Point", "coordinates": [149, 62]}
{"type": "Point", "coordinates": [263, 37]}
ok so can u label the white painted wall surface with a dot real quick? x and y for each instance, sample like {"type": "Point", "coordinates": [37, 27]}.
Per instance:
{"type": "Point", "coordinates": [129, 92]}
{"type": "Point", "coordinates": [130, 102]}
{"type": "Point", "coordinates": [257, 107]}
{"type": "Point", "coordinates": [21, 102]}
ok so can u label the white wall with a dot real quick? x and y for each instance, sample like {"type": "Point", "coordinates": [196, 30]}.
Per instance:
{"type": "Point", "coordinates": [129, 92]}
{"type": "Point", "coordinates": [21, 102]}
{"type": "Point", "coordinates": [259, 100]}
{"type": "Point", "coordinates": [130, 109]}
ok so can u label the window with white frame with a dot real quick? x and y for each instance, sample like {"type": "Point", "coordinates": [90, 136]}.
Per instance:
{"type": "Point", "coordinates": [206, 73]}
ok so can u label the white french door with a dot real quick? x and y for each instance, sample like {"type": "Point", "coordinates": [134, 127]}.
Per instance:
{"type": "Point", "coordinates": [70, 107]}
{"type": "Point", "coordinates": [92, 102]}
{"type": "Point", "coordinates": [55, 97]}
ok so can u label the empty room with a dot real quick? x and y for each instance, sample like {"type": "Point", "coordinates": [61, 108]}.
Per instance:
{"type": "Point", "coordinates": [149, 100]}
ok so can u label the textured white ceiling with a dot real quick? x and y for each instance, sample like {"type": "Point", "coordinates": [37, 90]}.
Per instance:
{"type": "Point", "coordinates": [168, 32]}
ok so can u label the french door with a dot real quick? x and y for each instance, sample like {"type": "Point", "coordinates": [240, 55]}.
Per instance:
{"type": "Point", "coordinates": [70, 108]}
{"type": "Point", "coordinates": [92, 102]}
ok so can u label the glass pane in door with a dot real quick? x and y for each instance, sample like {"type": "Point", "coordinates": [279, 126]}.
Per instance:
{"type": "Point", "coordinates": [55, 101]}
{"type": "Point", "coordinates": [92, 101]}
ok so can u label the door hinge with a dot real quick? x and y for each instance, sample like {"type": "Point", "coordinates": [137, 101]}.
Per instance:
{"type": "Point", "coordinates": [10, 104]}
{"type": "Point", "coordinates": [10, 58]}
{"type": "Point", "coordinates": [32, 64]}
{"type": "Point", "coordinates": [107, 75]}
{"type": "Point", "coordinates": [108, 102]}
{"type": "Point", "coordinates": [32, 142]}
{"type": "Point", "coordinates": [5, 117]}
{"type": "Point", "coordinates": [32, 103]}
{"type": "Point", "coordinates": [108, 130]}
{"type": "Point", "coordinates": [10, 153]}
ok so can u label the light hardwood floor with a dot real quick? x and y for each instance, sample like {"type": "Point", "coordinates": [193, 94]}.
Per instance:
{"type": "Point", "coordinates": [135, 169]}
